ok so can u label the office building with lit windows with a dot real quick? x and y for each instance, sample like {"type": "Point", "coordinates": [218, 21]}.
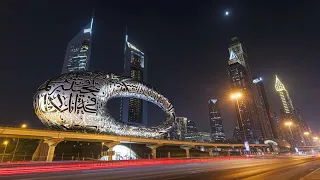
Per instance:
{"type": "Point", "coordinates": [216, 127]}
{"type": "Point", "coordinates": [133, 110]}
{"type": "Point", "coordinates": [78, 52]}
{"type": "Point", "coordinates": [248, 124]}
{"type": "Point", "coordinates": [181, 123]}
{"type": "Point", "coordinates": [191, 127]}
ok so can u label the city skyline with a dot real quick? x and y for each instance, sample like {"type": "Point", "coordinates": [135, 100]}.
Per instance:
{"type": "Point", "coordinates": [109, 62]}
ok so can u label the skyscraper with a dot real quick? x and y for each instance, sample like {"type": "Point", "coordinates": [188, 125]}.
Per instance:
{"type": "Point", "coordinates": [302, 121]}
{"type": "Point", "coordinates": [248, 124]}
{"type": "Point", "coordinates": [295, 133]}
{"type": "Point", "coordinates": [192, 131]}
{"type": "Point", "coordinates": [215, 118]}
{"type": "Point", "coordinates": [285, 98]}
{"type": "Point", "coordinates": [133, 110]}
{"type": "Point", "coordinates": [78, 52]}
{"type": "Point", "coordinates": [181, 123]}
{"type": "Point", "coordinates": [269, 127]}
{"type": "Point", "coordinates": [191, 127]}
{"type": "Point", "coordinates": [278, 125]}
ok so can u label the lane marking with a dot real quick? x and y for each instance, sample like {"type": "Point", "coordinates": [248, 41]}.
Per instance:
{"type": "Point", "coordinates": [309, 174]}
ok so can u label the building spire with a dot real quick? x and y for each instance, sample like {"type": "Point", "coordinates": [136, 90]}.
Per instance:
{"type": "Point", "coordinates": [92, 19]}
{"type": "Point", "coordinates": [94, 8]}
{"type": "Point", "coordinates": [126, 39]}
{"type": "Point", "coordinates": [279, 86]}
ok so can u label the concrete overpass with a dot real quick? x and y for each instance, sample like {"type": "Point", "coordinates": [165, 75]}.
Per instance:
{"type": "Point", "coordinates": [53, 138]}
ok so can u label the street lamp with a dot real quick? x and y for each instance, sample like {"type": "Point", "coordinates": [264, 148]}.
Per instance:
{"type": "Point", "coordinates": [23, 125]}
{"type": "Point", "coordinates": [289, 123]}
{"type": "Point", "coordinates": [5, 148]}
{"type": "Point", "coordinates": [236, 96]}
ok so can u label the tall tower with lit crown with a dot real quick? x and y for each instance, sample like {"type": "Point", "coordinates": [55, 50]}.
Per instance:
{"type": "Point", "coordinates": [133, 110]}
{"type": "Point", "coordinates": [215, 118]}
{"type": "Point", "coordinates": [78, 52]}
{"type": "Point", "coordinates": [289, 113]}
{"type": "Point", "coordinates": [285, 98]}
{"type": "Point", "coordinates": [248, 124]}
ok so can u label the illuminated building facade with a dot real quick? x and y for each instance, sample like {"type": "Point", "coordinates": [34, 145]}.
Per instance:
{"type": "Point", "coordinates": [248, 124]}
{"type": "Point", "coordinates": [133, 110]}
{"type": "Point", "coordinates": [285, 98]}
{"type": "Point", "coordinates": [78, 101]}
{"type": "Point", "coordinates": [302, 121]}
{"type": "Point", "coordinates": [215, 118]}
{"type": "Point", "coordinates": [78, 52]}
{"type": "Point", "coordinates": [269, 128]}
{"type": "Point", "coordinates": [288, 113]}
{"type": "Point", "coordinates": [276, 120]}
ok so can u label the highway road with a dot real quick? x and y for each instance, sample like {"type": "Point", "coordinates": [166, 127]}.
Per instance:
{"type": "Point", "coordinates": [280, 168]}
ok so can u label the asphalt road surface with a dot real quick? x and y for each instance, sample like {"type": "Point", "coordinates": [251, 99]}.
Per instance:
{"type": "Point", "coordinates": [281, 168]}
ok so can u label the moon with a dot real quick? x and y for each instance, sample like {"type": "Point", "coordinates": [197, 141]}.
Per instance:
{"type": "Point", "coordinates": [227, 13]}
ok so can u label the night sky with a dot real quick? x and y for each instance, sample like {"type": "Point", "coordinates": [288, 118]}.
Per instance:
{"type": "Point", "coordinates": [186, 43]}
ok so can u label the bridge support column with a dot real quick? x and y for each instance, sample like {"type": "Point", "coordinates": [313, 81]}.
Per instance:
{"type": "Point", "coordinates": [187, 149]}
{"type": "Point", "coordinates": [210, 150]}
{"type": "Point", "coordinates": [264, 149]}
{"type": "Point", "coordinates": [52, 143]}
{"type": "Point", "coordinates": [110, 151]}
{"type": "Point", "coordinates": [257, 150]}
{"type": "Point", "coordinates": [153, 148]}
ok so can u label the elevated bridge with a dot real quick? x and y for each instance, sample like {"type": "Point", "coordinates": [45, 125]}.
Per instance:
{"type": "Point", "coordinates": [53, 138]}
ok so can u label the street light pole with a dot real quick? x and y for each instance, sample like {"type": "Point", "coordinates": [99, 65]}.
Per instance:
{"type": "Point", "coordinates": [4, 151]}
{"type": "Point", "coordinates": [237, 96]}
{"type": "Point", "coordinates": [289, 123]}
{"type": "Point", "coordinates": [290, 131]}
{"type": "Point", "coordinates": [244, 132]}
{"type": "Point", "coordinates": [307, 141]}
{"type": "Point", "coordinates": [15, 149]}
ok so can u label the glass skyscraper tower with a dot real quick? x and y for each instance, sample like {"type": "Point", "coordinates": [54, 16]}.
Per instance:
{"type": "Point", "coordinates": [289, 113]}
{"type": "Point", "coordinates": [269, 128]}
{"type": "Point", "coordinates": [133, 110]}
{"type": "Point", "coordinates": [285, 98]}
{"type": "Point", "coordinates": [216, 126]}
{"type": "Point", "coordinates": [248, 124]}
{"type": "Point", "coordinates": [78, 51]}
